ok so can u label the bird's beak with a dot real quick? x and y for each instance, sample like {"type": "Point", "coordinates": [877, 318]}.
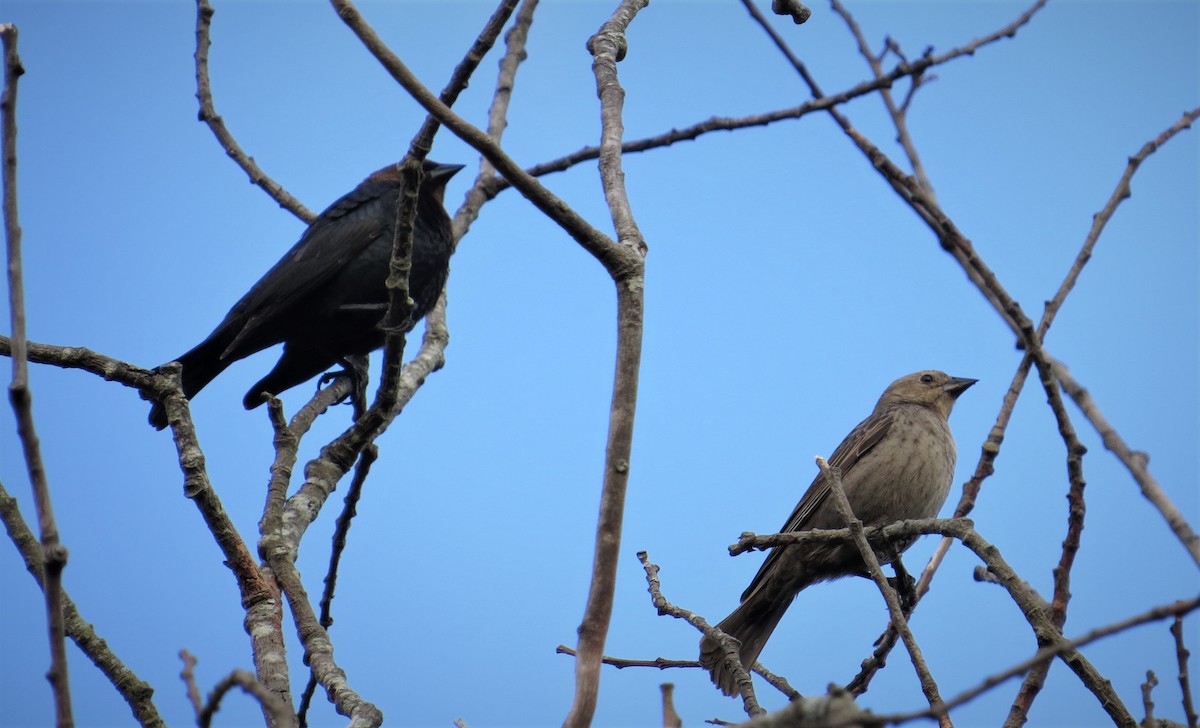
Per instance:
{"type": "Point", "coordinates": [957, 385]}
{"type": "Point", "coordinates": [442, 173]}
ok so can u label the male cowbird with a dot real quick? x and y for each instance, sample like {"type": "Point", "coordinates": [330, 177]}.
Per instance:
{"type": "Point", "coordinates": [325, 298]}
{"type": "Point", "coordinates": [896, 465]}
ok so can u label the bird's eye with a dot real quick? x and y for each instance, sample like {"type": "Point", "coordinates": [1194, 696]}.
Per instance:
{"type": "Point", "coordinates": [926, 379]}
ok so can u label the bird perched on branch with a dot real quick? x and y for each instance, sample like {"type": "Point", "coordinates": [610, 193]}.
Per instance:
{"type": "Point", "coordinates": [325, 298]}
{"type": "Point", "coordinates": [896, 465]}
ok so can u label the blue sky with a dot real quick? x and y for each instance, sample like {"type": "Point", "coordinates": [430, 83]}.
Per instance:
{"type": "Point", "coordinates": [786, 286]}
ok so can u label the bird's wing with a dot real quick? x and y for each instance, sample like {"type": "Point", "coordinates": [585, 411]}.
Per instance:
{"type": "Point", "coordinates": [339, 235]}
{"type": "Point", "coordinates": [858, 443]}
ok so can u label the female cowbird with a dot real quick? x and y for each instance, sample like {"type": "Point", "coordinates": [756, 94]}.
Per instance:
{"type": "Point", "coordinates": [896, 465]}
{"type": "Point", "coordinates": [325, 298]}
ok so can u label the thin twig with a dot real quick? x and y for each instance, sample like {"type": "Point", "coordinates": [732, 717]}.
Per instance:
{"type": "Point", "coordinates": [1148, 699]}
{"type": "Point", "coordinates": [188, 675]}
{"type": "Point", "coordinates": [399, 382]}
{"type": "Point", "coordinates": [659, 663]}
{"type": "Point", "coordinates": [277, 711]}
{"type": "Point", "coordinates": [1182, 654]}
{"type": "Point", "coordinates": [1136, 461]}
{"type": "Point", "coordinates": [960, 247]}
{"type": "Point", "coordinates": [732, 661]}
{"type": "Point", "coordinates": [287, 445]}
{"type": "Point", "coordinates": [824, 103]}
{"type": "Point", "coordinates": [1176, 609]}
{"type": "Point", "coordinates": [671, 717]}
{"type": "Point", "coordinates": [1033, 607]}
{"type": "Point", "coordinates": [514, 54]}
{"type": "Point", "coordinates": [1100, 220]}
{"type": "Point", "coordinates": [592, 240]}
{"type": "Point", "coordinates": [991, 447]}
{"type": "Point", "coordinates": [662, 663]}
{"type": "Point", "coordinates": [898, 113]}
{"type": "Point", "coordinates": [54, 554]}
{"type": "Point", "coordinates": [136, 692]}
{"type": "Point", "coordinates": [208, 115]}
{"type": "Point", "coordinates": [928, 685]}
{"type": "Point", "coordinates": [1035, 679]}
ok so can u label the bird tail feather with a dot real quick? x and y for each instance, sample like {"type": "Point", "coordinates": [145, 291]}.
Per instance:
{"type": "Point", "coordinates": [751, 624]}
{"type": "Point", "coordinates": [200, 366]}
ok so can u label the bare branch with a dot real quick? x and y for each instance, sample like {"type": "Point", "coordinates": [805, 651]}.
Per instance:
{"type": "Point", "coordinates": [208, 114]}
{"type": "Point", "coordinates": [662, 663]}
{"type": "Point", "coordinates": [341, 529]}
{"type": "Point", "coordinates": [1182, 654]}
{"type": "Point", "coordinates": [834, 477]}
{"type": "Point", "coordinates": [278, 711]}
{"type": "Point", "coordinates": [722, 123]}
{"type": "Point", "coordinates": [1035, 679]}
{"type": "Point", "coordinates": [835, 709]}
{"type": "Point", "coordinates": [729, 644]}
{"type": "Point", "coordinates": [188, 675]}
{"type": "Point", "coordinates": [136, 692]}
{"type": "Point", "coordinates": [399, 311]}
{"type": "Point", "coordinates": [1101, 218]}
{"type": "Point", "coordinates": [556, 209]}
{"type": "Point", "coordinates": [898, 112]}
{"type": "Point", "coordinates": [1147, 700]}
{"type": "Point", "coordinates": [54, 554]}
{"type": "Point", "coordinates": [514, 54]}
{"type": "Point", "coordinates": [991, 448]}
{"type": "Point", "coordinates": [1137, 462]}
{"type": "Point", "coordinates": [608, 47]}
{"type": "Point", "coordinates": [1176, 609]}
{"type": "Point", "coordinates": [1034, 608]}
{"type": "Point", "coordinates": [78, 357]}
{"type": "Point", "coordinates": [259, 596]}
{"type": "Point", "coordinates": [280, 538]}
{"type": "Point", "coordinates": [957, 244]}
{"type": "Point", "coordinates": [671, 717]}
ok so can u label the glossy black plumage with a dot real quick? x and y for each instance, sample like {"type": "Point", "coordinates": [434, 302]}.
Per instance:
{"type": "Point", "coordinates": [325, 298]}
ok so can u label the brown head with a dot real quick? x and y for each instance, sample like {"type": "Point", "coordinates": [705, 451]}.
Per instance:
{"type": "Point", "coordinates": [436, 177]}
{"type": "Point", "coordinates": [931, 388]}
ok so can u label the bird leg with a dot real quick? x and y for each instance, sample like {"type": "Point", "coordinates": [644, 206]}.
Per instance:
{"type": "Point", "coordinates": [357, 368]}
{"type": "Point", "coordinates": [905, 586]}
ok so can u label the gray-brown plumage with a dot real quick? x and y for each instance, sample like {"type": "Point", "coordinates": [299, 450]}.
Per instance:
{"type": "Point", "coordinates": [897, 464]}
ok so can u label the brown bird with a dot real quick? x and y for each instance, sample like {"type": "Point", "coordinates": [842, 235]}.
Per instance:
{"type": "Point", "coordinates": [896, 465]}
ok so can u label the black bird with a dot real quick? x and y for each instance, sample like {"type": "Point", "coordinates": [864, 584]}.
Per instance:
{"type": "Point", "coordinates": [325, 298]}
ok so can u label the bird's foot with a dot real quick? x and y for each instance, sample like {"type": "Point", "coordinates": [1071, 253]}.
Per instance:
{"type": "Point", "coordinates": [905, 586]}
{"type": "Point", "coordinates": [356, 368]}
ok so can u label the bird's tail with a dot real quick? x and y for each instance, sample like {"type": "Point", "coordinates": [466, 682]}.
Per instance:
{"type": "Point", "coordinates": [751, 624]}
{"type": "Point", "coordinates": [200, 366]}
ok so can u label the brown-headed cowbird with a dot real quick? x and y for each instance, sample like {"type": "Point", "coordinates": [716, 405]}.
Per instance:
{"type": "Point", "coordinates": [325, 298]}
{"type": "Point", "coordinates": [896, 465]}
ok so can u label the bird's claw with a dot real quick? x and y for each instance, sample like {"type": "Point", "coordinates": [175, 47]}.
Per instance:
{"type": "Point", "coordinates": [905, 586]}
{"type": "Point", "coordinates": [355, 368]}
